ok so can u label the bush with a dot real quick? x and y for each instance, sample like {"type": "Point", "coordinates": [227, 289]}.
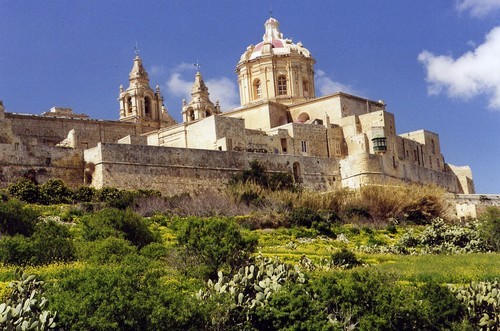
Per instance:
{"type": "Point", "coordinates": [490, 228]}
{"type": "Point", "coordinates": [50, 242]}
{"type": "Point", "coordinates": [17, 218]}
{"type": "Point", "coordinates": [129, 296]}
{"type": "Point", "coordinates": [117, 223]}
{"type": "Point", "coordinates": [25, 190]}
{"type": "Point", "coordinates": [345, 259]}
{"type": "Point", "coordinates": [216, 243]}
{"type": "Point", "coordinates": [16, 250]}
{"type": "Point", "coordinates": [109, 250]}
{"type": "Point", "coordinates": [115, 198]}
{"type": "Point", "coordinates": [85, 194]}
{"type": "Point", "coordinates": [54, 191]}
{"type": "Point", "coordinates": [303, 216]}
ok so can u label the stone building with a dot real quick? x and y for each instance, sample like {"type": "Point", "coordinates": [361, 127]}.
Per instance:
{"type": "Point", "coordinates": [328, 142]}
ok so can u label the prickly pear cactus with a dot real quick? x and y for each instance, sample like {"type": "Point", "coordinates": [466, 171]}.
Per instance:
{"type": "Point", "coordinates": [482, 300]}
{"type": "Point", "coordinates": [24, 309]}
{"type": "Point", "coordinates": [253, 284]}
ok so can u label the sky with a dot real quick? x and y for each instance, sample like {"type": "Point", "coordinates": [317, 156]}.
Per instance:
{"type": "Point", "coordinates": [436, 64]}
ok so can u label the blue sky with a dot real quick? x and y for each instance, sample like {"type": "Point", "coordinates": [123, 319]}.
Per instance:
{"type": "Point", "coordinates": [435, 63]}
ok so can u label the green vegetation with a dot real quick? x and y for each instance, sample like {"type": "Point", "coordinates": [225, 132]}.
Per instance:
{"type": "Point", "coordinates": [255, 257]}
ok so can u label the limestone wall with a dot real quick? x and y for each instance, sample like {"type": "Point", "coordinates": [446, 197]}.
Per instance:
{"type": "Point", "coordinates": [40, 130]}
{"type": "Point", "coordinates": [176, 170]}
{"type": "Point", "coordinates": [40, 163]}
{"type": "Point", "coordinates": [473, 205]}
{"type": "Point", "coordinates": [363, 168]}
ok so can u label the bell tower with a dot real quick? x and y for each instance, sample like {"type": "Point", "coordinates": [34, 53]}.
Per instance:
{"type": "Point", "coordinates": [200, 105]}
{"type": "Point", "coordinates": [139, 103]}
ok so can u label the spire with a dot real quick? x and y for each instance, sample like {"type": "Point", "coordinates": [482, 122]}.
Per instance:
{"type": "Point", "coordinates": [138, 72]}
{"type": "Point", "coordinates": [199, 86]}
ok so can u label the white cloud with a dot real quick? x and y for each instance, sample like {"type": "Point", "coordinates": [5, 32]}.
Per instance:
{"type": "Point", "coordinates": [325, 85]}
{"type": "Point", "coordinates": [474, 73]}
{"type": "Point", "coordinates": [221, 88]}
{"type": "Point", "coordinates": [157, 70]}
{"type": "Point", "coordinates": [478, 8]}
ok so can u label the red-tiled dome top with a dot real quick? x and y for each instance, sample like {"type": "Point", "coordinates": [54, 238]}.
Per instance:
{"type": "Point", "coordinates": [278, 45]}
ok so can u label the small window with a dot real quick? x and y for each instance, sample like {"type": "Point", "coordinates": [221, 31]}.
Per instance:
{"type": "Point", "coordinates": [433, 146]}
{"type": "Point", "coordinates": [282, 85]}
{"type": "Point", "coordinates": [257, 86]}
{"type": "Point", "coordinates": [337, 148]}
{"type": "Point", "coordinates": [303, 146]}
{"type": "Point", "coordinates": [283, 145]}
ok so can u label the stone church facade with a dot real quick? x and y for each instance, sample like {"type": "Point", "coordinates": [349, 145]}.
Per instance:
{"type": "Point", "coordinates": [328, 142]}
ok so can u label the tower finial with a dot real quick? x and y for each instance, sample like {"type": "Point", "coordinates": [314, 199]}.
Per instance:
{"type": "Point", "coordinates": [136, 50]}
{"type": "Point", "coordinates": [197, 65]}
{"type": "Point", "coordinates": [270, 8]}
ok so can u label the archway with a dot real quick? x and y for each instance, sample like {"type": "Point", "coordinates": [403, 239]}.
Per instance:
{"type": "Point", "coordinates": [302, 118]}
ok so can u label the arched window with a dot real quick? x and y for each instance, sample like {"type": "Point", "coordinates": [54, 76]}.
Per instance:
{"type": "Point", "coordinates": [282, 85]}
{"type": "Point", "coordinates": [190, 114]}
{"type": "Point", "coordinates": [257, 89]}
{"type": "Point", "coordinates": [129, 105]}
{"type": "Point", "coordinates": [147, 107]}
{"type": "Point", "coordinates": [433, 146]}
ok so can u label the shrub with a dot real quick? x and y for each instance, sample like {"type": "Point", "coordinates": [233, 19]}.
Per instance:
{"type": "Point", "coordinates": [155, 251]}
{"type": "Point", "coordinates": [216, 243]}
{"type": "Point", "coordinates": [17, 218]}
{"type": "Point", "coordinates": [115, 198]}
{"type": "Point", "coordinates": [85, 194]}
{"type": "Point", "coordinates": [108, 250]}
{"type": "Point", "coordinates": [54, 191]}
{"type": "Point", "coordinates": [490, 228]}
{"type": "Point", "coordinates": [303, 216]}
{"type": "Point", "coordinates": [117, 223]}
{"type": "Point", "coordinates": [25, 190]}
{"type": "Point", "coordinates": [130, 296]}
{"type": "Point", "coordinates": [345, 259]}
{"type": "Point", "coordinates": [16, 250]}
{"type": "Point", "coordinates": [50, 242]}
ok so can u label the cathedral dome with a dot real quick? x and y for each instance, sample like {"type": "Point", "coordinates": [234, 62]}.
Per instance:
{"type": "Point", "coordinates": [273, 43]}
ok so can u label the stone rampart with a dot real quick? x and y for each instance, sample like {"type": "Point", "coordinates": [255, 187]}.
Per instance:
{"type": "Point", "coordinates": [175, 170]}
{"type": "Point", "coordinates": [40, 163]}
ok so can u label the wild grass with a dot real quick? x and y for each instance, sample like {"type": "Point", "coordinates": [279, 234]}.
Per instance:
{"type": "Point", "coordinates": [456, 269]}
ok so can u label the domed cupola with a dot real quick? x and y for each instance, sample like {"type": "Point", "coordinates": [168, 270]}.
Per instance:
{"type": "Point", "coordinates": [275, 69]}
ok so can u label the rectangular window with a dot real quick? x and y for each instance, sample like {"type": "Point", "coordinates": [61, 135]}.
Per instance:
{"type": "Point", "coordinates": [283, 145]}
{"type": "Point", "coordinates": [303, 146]}
{"type": "Point", "coordinates": [337, 148]}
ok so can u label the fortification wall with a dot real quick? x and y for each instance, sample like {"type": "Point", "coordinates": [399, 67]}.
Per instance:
{"type": "Point", "coordinates": [360, 169]}
{"type": "Point", "coordinates": [40, 163]}
{"type": "Point", "coordinates": [176, 170]}
{"type": "Point", "coordinates": [40, 130]}
{"type": "Point", "coordinates": [473, 205]}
